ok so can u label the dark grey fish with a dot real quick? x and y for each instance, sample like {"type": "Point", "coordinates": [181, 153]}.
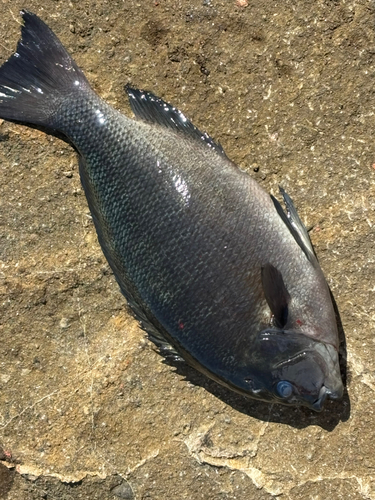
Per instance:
{"type": "Point", "coordinates": [209, 263]}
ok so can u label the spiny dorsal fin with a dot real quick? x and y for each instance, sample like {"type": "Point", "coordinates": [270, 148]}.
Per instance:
{"type": "Point", "coordinates": [152, 109]}
{"type": "Point", "coordinates": [295, 225]}
{"type": "Point", "coordinates": [276, 294]}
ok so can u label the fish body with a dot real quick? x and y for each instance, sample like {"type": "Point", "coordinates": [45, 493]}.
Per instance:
{"type": "Point", "coordinates": [208, 261]}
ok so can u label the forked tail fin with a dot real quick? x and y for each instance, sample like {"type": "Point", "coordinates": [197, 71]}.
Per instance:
{"type": "Point", "coordinates": [39, 76]}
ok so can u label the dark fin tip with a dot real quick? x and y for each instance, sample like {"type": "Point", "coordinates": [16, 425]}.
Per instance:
{"type": "Point", "coordinates": [152, 109]}
{"type": "Point", "coordinates": [276, 294]}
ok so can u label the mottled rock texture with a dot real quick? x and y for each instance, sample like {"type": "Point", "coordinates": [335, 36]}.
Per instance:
{"type": "Point", "coordinates": [88, 409]}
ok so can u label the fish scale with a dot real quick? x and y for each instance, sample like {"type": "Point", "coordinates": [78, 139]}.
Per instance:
{"type": "Point", "coordinates": [208, 262]}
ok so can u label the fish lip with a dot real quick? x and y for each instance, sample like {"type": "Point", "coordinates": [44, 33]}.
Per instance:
{"type": "Point", "coordinates": [335, 395]}
{"type": "Point", "coordinates": [323, 393]}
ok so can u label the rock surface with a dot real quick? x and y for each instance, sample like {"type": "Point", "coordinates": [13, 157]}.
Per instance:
{"type": "Point", "coordinates": [88, 409]}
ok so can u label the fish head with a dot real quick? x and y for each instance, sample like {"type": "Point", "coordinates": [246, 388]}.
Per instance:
{"type": "Point", "coordinates": [294, 369]}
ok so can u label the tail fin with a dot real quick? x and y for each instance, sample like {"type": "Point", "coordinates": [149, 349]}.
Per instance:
{"type": "Point", "coordinates": [38, 76]}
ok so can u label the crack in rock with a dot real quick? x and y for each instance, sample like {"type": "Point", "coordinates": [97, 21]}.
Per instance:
{"type": "Point", "coordinates": [270, 481]}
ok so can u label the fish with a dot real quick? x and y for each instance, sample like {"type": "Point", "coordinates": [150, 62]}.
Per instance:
{"type": "Point", "coordinates": [214, 269]}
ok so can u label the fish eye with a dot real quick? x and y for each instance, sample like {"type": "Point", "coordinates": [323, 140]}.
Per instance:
{"type": "Point", "coordinates": [284, 389]}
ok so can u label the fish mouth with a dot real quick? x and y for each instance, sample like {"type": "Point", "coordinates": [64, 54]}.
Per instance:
{"type": "Point", "coordinates": [323, 394]}
{"type": "Point", "coordinates": [318, 404]}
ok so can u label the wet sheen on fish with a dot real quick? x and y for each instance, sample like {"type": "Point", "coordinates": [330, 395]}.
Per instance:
{"type": "Point", "coordinates": [211, 265]}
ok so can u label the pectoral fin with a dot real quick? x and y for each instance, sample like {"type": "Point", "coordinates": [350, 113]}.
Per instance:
{"type": "Point", "coordinates": [276, 294]}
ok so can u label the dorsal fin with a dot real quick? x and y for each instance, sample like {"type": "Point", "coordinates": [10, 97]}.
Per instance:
{"type": "Point", "coordinates": [276, 294]}
{"type": "Point", "coordinates": [295, 225]}
{"type": "Point", "coordinates": [152, 109]}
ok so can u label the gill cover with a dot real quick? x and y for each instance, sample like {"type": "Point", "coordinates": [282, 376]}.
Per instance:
{"type": "Point", "coordinates": [291, 368]}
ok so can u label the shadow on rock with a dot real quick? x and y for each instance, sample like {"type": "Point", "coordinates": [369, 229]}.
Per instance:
{"type": "Point", "coordinates": [298, 417]}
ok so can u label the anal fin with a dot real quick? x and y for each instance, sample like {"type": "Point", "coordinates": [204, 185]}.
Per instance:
{"type": "Point", "coordinates": [295, 225]}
